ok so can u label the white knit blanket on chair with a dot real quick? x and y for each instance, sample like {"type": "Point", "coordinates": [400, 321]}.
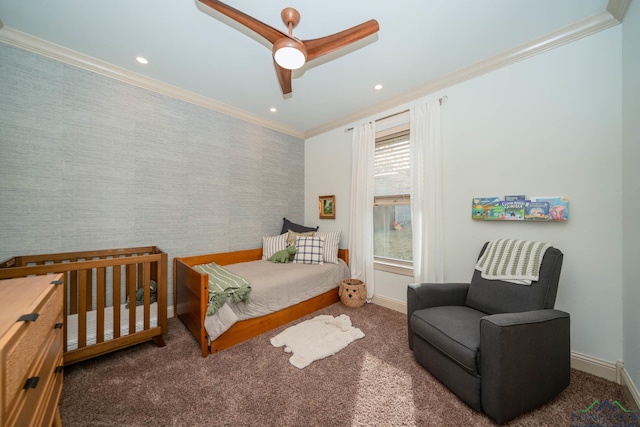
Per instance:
{"type": "Point", "coordinates": [514, 261]}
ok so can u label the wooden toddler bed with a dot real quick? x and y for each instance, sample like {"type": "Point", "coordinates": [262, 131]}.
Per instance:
{"type": "Point", "coordinates": [192, 301]}
{"type": "Point", "coordinates": [98, 284]}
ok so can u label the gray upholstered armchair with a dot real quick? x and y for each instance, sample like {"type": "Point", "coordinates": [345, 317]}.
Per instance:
{"type": "Point", "coordinates": [500, 347]}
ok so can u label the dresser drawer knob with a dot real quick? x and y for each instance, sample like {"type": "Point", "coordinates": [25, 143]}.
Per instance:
{"type": "Point", "coordinates": [58, 326]}
{"type": "Point", "coordinates": [31, 383]}
{"type": "Point", "coordinates": [31, 317]}
{"type": "Point", "coordinates": [59, 369]}
{"type": "Point", "coordinates": [57, 282]}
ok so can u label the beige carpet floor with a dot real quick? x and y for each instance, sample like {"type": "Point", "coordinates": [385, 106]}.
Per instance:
{"type": "Point", "coordinates": [375, 381]}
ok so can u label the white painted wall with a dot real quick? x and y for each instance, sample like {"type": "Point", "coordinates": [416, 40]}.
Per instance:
{"type": "Point", "coordinates": [327, 168]}
{"type": "Point", "coordinates": [630, 189]}
{"type": "Point", "coordinates": [549, 125]}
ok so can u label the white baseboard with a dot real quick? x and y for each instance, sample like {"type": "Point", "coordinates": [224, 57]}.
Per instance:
{"type": "Point", "coordinates": [598, 367]}
{"type": "Point", "coordinates": [630, 389]}
{"type": "Point", "coordinates": [592, 365]}
{"type": "Point", "coordinates": [610, 371]}
{"type": "Point", "coordinates": [390, 303]}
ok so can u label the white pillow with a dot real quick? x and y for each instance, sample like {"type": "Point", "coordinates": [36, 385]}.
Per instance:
{"type": "Point", "coordinates": [331, 244]}
{"type": "Point", "coordinates": [309, 250]}
{"type": "Point", "coordinates": [271, 245]}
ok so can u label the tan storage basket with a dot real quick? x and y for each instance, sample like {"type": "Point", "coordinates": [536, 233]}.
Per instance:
{"type": "Point", "coordinates": [353, 292]}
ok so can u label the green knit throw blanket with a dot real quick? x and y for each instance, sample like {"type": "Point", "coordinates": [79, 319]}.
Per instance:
{"type": "Point", "coordinates": [515, 261]}
{"type": "Point", "coordinates": [223, 285]}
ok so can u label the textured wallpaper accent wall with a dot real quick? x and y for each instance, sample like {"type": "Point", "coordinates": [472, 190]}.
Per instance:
{"type": "Point", "coordinates": [88, 162]}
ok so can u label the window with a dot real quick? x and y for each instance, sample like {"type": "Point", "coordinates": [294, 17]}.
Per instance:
{"type": "Point", "coordinates": [392, 247]}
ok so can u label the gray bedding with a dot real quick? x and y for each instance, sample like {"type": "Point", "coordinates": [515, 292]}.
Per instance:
{"type": "Point", "coordinates": [275, 286]}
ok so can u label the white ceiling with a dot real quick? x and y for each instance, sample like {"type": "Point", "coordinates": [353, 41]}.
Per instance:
{"type": "Point", "coordinates": [195, 49]}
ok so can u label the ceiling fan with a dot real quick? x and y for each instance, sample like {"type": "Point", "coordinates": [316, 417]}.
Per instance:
{"type": "Point", "coordinates": [289, 52]}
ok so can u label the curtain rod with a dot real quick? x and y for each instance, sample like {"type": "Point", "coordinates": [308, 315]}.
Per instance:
{"type": "Point", "coordinates": [441, 101]}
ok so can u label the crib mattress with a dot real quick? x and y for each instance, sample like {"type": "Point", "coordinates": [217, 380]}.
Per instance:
{"type": "Point", "coordinates": [72, 324]}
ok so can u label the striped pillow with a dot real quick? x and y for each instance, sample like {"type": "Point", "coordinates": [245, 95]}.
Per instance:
{"type": "Point", "coordinates": [309, 250]}
{"type": "Point", "coordinates": [271, 245]}
{"type": "Point", "coordinates": [331, 244]}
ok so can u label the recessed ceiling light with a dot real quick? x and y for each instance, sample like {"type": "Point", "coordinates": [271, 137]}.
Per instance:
{"type": "Point", "coordinates": [142, 60]}
{"type": "Point", "coordinates": [273, 109]}
{"type": "Point", "coordinates": [378, 87]}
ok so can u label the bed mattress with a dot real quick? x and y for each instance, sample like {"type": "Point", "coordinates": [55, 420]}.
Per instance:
{"type": "Point", "coordinates": [275, 286]}
{"type": "Point", "coordinates": [72, 324]}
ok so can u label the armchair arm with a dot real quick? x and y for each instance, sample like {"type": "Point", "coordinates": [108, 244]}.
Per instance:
{"type": "Point", "coordinates": [524, 360]}
{"type": "Point", "coordinates": [425, 295]}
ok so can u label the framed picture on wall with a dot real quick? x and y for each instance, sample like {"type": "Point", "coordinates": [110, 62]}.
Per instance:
{"type": "Point", "coordinates": [327, 207]}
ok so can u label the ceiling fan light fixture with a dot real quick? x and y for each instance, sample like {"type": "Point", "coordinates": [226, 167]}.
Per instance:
{"type": "Point", "coordinates": [289, 53]}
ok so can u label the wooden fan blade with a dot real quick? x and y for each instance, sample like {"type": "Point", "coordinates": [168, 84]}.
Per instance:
{"type": "Point", "coordinates": [284, 77]}
{"type": "Point", "coordinates": [324, 45]}
{"type": "Point", "coordinates": [259, 27]}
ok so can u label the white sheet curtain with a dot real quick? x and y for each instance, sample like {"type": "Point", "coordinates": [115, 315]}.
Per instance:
{"type": "Point", "coordinates": [426, 195]}
{"type": "Point", "coordinates": [361, 220]}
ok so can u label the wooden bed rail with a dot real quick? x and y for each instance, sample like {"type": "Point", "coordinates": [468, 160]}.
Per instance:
{"type": "Point", "coordinates": [192, 300]}
{"type": "Point", "coordinates": [192, 290]}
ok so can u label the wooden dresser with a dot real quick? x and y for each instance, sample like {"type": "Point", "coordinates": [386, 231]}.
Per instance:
{"type": "Point", "coordinates": [31, 349]}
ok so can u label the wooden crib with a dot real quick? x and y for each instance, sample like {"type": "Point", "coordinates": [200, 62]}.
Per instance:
{"type": "Point", "coordinates": [98, 284]}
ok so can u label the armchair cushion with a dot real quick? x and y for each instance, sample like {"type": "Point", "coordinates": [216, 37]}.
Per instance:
{"type": "Point", "coordinates": [496, 296]}
{"type": "Point", "coordinates": [452, 330]}
{"type": "Point", "coordinates": [424, 295]}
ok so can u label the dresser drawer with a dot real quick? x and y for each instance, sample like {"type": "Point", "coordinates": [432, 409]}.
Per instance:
{"type": "Point", "coordinates": [36, 410]}
{"type": "Point", "coordinates": [30, 350]}
{"type": "Point", "coordinates": [51, 408]}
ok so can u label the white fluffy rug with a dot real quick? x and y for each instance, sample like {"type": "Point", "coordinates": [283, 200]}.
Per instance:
{"type": "Point", "coordinates": [317, 338]}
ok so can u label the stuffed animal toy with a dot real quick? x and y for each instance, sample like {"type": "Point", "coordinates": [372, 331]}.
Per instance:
{"type": "Point", "coordinates": [284, 255]}
{"type": "Point", "coordinates": [153, 294]}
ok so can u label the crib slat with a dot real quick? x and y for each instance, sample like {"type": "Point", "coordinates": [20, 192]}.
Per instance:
{"type": "Point", "coordinates": [140, 285]}
{"type": "Point", "coordinates": [140, 275]}
{"type": "Point", "coordinates": [65, 307]}
{"type": "Point", "coordinates": [117, 284]}
{"type": "Point", "coordinates": [73, 292]}
{"type": "Point", "coordinates": [89, 288]}
{"type": "Point", "coordinates": [161, 278]}
{"type": "Point", "coordinates": [82, 309]}
{"type": "Point", "coordinates": [100, 302]}
{"type": "Point", "coordinates": [131, 287]}
{"type": "Point", "coordinates": [147, 294]}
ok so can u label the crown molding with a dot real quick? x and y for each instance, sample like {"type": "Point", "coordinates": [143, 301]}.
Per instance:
{"type": "Point", "coordinates": [583, 28]}
{"type": "Point", "coordinates": [44, 48]}
{"type": "Point", "coordinates": [618, 8]}
{"type": "Point", "coordinates": [612, 16]}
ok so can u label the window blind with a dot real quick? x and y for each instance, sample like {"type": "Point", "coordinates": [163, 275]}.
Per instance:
{"type": "Point", "coordinates": [392, 166]}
